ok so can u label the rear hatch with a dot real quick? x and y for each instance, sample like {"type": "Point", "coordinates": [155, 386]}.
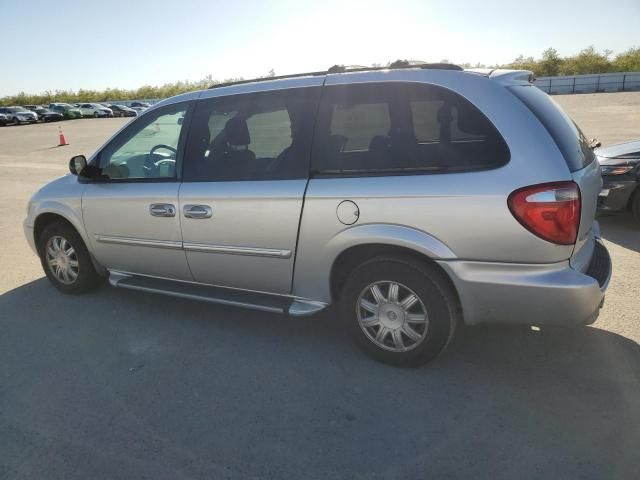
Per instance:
{"type": "Point", "coordinates": [580, 160]}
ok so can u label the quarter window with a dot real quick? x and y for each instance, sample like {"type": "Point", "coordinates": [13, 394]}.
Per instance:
{"type": "Point", "coordinates": [359, 123]}
{"type": "Point", "coordinates": [403, 127]}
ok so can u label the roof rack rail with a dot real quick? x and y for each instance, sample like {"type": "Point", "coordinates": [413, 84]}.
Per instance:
{"type": "Point", "coordinates": [398, 64]}
{"type": "Point", "coordinates": [264, 79]}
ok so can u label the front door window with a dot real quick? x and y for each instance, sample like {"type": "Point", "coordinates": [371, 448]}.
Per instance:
{"type": "Point", "coordinates": [149, 149]}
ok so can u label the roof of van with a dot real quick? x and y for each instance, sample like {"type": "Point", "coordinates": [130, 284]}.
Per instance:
{"type": "Point", "coordinates": [502, 75]}
{"type": "Point", "coordinates": [398, 64]}
{"type": "Point", "coordinates": [316, 79]}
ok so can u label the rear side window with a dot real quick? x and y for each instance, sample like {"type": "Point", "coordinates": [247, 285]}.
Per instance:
{"type": "Point", "coordinates": [400, 128]}
{"type": "Point", "coordinates": [567, 135]}
{"type": "Point", "coordinates": [257, 136]}
{"type": "Point", "coordinates": [371, 119]}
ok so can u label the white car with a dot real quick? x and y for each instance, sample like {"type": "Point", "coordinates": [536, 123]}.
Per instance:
{"type": "Point", "coordinates": [95, 110]}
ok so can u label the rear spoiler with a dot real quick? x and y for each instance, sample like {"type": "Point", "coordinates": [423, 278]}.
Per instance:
{"type": "Point", "coordinates": [511, 77]}
{"type": "Point", "coordinates": [507, 77]}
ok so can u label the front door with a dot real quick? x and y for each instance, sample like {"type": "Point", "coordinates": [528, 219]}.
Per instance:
{"type": "Point", "coordinates": [131, 214]}
{"type": "Point", "coordinates": [246, 170]}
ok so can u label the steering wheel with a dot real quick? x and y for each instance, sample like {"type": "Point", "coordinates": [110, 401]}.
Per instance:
{"type": "Point", "coordinates": [158, 147]}
{"type": "Point", "coordinates": [153, 166]}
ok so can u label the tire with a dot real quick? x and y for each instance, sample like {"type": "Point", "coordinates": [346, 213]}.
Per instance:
{"type": "Point", "coordinates": [635, 205]}
{"type": "Point", "coordinates": [16, 121]}
{"type": "Point", "coordinates": [95, 115]}
{"type": "Point", "coordinates": [85, 277]}
{"type": "Point", "coordinates": [435, 297]}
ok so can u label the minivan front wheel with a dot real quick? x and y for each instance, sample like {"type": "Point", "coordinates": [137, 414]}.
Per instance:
{"type": "Point", "coordinates": [65, 259]}
{"type": "Point", "coordinates": [399, 310]}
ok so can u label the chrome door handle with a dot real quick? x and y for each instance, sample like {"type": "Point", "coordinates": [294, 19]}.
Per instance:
{"type": "Point", "coordinates": [162, 210]}
{"type": "Point", "coordinates": [197, 211]}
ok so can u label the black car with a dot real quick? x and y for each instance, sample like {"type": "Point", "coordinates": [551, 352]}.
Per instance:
{"type": "Point", "coordinates": [620, 166]}
{"type": "Point", "coordinates": [122, 111]}
{"type": "Point", "coordinates": [46, 115]}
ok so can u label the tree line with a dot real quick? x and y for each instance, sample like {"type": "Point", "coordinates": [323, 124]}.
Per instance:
{"type": "Point", "coordinates": [588, 60]}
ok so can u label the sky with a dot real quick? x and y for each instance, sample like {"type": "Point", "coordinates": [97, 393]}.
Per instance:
{"type": "Point", "coordinates": [91, 44]}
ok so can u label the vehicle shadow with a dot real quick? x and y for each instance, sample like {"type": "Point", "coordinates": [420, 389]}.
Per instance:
{"type": "Point", "coordinates": [135, 383]}
{"type": "Point", "coordinates": [621, 229]}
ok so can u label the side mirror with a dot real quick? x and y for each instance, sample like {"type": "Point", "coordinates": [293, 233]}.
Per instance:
{"type": "Point", "coordinates": [180, 120]}
{"type": "Point", "coordinates": [77, 164]}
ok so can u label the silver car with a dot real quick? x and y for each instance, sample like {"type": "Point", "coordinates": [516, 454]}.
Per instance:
{"type": "Point", "coordinates": [411, 198]}
{"type": "Point", "coordinates": [19, 115]}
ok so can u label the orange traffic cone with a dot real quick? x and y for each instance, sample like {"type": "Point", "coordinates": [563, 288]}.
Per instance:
{"type": "Point", "coordinates": [63, 141]}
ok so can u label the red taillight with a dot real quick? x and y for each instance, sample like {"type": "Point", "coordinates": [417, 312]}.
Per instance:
{"type": "Point", "coordinates": [550, 210]}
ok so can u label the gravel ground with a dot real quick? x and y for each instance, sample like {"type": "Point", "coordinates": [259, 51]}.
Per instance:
{"type": "Point", "coordinates": [117, 384]}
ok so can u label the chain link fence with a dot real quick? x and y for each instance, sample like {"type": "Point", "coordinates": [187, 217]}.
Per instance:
{"type": "Point", "coordinates": [596, 83]}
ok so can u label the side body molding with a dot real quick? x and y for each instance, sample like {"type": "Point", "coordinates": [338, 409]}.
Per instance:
{"type": "Point", "coordinates": [315, 257]}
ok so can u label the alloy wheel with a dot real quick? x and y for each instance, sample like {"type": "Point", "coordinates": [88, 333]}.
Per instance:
{"type": "Point", "coordinates": [392, 316]}
{"type": "Point", "coordinates": [62, 260]}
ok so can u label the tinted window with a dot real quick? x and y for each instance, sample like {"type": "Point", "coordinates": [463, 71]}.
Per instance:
{"type": "Point", "coordinates": [259, 136]}
{"type": "Point", "coordinates": [148, 148]}
{"type": "Point", "coordinates": [397, 127]}
{"type": "Point", "coordinates": [359, 123]}
{"type": "Point", "coordinates": [567, 135]}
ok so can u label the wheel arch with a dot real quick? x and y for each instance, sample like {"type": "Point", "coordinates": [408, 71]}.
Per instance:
{"type": "Point", "coordinates": [45, 219]}
{"type": "Point", "coordinates": [358, 244]}
{"type": "Point", "coordinates": [49, 216]}
{"type": "Point", "coordinates": [635, 194]}
{"type": "Point", "coordinates": [355, 255]}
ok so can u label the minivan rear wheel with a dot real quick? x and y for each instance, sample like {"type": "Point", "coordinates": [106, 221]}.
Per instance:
{"type": "Point", "coordinates": [398, 310]}
{"type": "Point", "coordinates": [65, 259]}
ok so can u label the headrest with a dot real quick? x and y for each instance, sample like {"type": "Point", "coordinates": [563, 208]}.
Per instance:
{"type": "Point", "coordinates": [237, 132]}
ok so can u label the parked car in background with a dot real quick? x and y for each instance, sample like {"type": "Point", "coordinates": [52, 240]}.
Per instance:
{"type": "Point", "coordinates": [139, 106]}
{"type": "Point", "coordinates": [620, 165]}
{"type": "Point", "coordinates": [19, 115]}
{"type": "Point", "coordinates": [411, 198]}
{"type": "Point", "coordinates": [95, 110]}
{"type": "Point", "coordinates": [46, 115]}
{"type": "Point", "coordinates": [68, 112]}
{"type": "Point", "coordinates": [122, 111]}
{"type": "Point", "coordinates": [3, 120]}
{"type": "Point", "coordinates": [31, 107]}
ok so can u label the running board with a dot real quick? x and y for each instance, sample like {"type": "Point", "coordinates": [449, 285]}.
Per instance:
{"type": "Point", "coordinates": [225, 296]}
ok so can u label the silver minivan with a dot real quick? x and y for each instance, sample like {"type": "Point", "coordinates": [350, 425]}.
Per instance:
{"type": "Point", "coordinates": [411, 198]}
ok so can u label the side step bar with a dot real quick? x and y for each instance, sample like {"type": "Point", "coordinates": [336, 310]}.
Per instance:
{"type": "Point", "coordinates": [225, 296]}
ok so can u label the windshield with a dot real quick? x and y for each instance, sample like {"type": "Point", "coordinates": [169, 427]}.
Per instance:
{"type": "Point", "coordinates": [17, 109]}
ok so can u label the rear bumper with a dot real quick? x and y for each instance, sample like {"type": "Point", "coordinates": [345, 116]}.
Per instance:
{"type": "Point", "coordinates": [531, 294]}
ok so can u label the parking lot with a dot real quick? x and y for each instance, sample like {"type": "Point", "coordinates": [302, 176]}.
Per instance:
{"type": "Point", "coordinates": [118, 384]}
